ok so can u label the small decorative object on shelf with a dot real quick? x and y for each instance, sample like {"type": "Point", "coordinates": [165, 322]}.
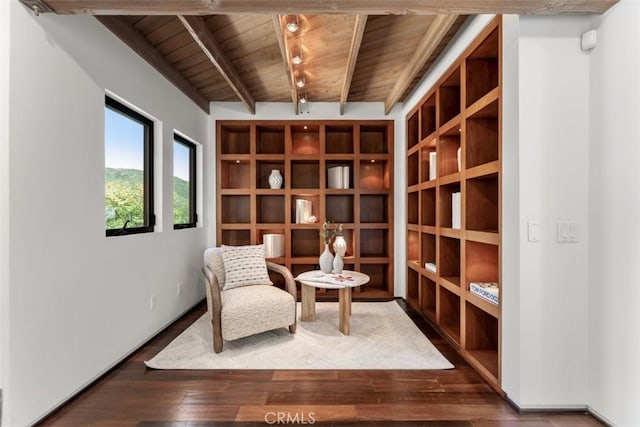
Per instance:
{"type": "Point", "coordinates": [433, 157]}
{"type": "Point", "coordinates": [339, 244]}
{"type": "Point", "coordinates": [459, 158]}
{"type": "Point", "coordinates": [275, 179]}
{"type": "Point", "coordinates": [303, 211]}
{"type": "Point", "coordinates": [338, 264]}
{"type": "Point", "coordinates": [456, 210]}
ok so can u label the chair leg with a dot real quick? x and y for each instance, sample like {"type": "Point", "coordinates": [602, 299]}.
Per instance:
{"type": "Point", "coordinates": [217, 338]}
{"type": "Point", "coordinates": [292, 328]}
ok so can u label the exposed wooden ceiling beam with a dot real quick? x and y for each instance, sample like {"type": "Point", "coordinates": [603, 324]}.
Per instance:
{"type": "Point", "coordinates": [126, 32]}
{"type": "Point", "coordinates": [356, 41]}
{"type": "Point", "coordinates": [358, 7]}
{"type": "Point", "coordinates": [196, 26]}
{"type": "Point", "coordinates": [437, 30]}
{"type": "Point", "coordinates": [286, 60]}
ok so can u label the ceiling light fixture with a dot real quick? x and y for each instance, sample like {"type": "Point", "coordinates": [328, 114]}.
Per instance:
{"type": "Point", "coordinates": [303, 100]}
{"type": "Point", "coordinates": [296, 59]}
{"type": "Point", "coordinates": [300, 82]}
{"type": "Point", "coordinates": [292, 24]}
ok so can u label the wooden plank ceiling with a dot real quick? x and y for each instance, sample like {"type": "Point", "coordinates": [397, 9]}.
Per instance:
{"type": "Point", "coordinates": [240, 50]}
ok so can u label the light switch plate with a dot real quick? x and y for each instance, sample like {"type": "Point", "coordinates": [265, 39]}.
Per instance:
{"type": "Point", "coordinates": [567, 232]}
{"type": "Point", "coordinates": [533, 231]}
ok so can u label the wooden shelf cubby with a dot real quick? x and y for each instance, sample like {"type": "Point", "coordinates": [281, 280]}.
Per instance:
{"type": "Point", "coordinates": [235, 140]}
{"type": "Point", "coordinates": [374, 209]}
{"type": "Point", "coordinates": [413, 131]}
{"type": "Point", "coordinates": [482, 68]}
{"type": "Point", "coordinates": [481, 202]}
{"type": "Point", "coordinates": [449, 97]}
{"type": "Point", "coordinates": [236, 237]}
{"type": "Point", "coordinates": [263, 170]}
{"type": "Point", "coordinates": [270, 209]}
{"type": "Point", "coordinates": [373, 139]}
{"type": "Point", "coordinates": [428, 207]}
{"type": "Point", "coordinates": [412, 169]}
{"type": "Point", "coordinates": [448, 145]}
{"type": "Point", "coordinates": [449, 314]}
{"type": "Point", "coordinates": [374, 174]}
{"type": "Point", "coordinates": [425, 160]}
{"type": "Point", "coordinates": [270, 139]}
{"type": "Point", "coordinates": [236, 209]}
{"type": "Point", "coordinates": [413, 247]}
{"type": "Point", "coordinates": [305, 139]}
{"type": "Point", "coordinates": [413, 287]}
{"type": "Point", "coordinates": [305, 174]}
{"type": "Point", "coordinates": [339, 207]}
{"type": "Point", "coordinates": [445, 196]}
{"type": "Point", "coordinates": [482, 136]}
{"type": "Point", "coordinates": [247, 208]}
{"type": "Point", "coordinates": [428, 297]}
{"type": "Point", "coordinates": [459, 119]}
{"type": "Point", "coordinates": [428, 123]}
{"type": "Point", "coordinates": [413, 207]}
{"type": "Point", "coordinates": [234, 174]}
{"type": "Point", "coordinates": [339, 139]}
{"type": "Point", "coordinates": [428, 249]}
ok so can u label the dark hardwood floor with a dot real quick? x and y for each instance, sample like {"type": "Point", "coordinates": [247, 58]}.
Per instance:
{"type": "Point", "coordinates": [131, 394]}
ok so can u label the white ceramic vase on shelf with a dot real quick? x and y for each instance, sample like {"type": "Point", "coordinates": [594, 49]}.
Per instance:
{"type": "Point", "coordinates": [326, 260]}
{"type": "Point", "coordinates": [338, 264]}
{"type": "Point", "coordinates": [275, 179]}
{"type": "Point", "coordinates": [340, 246]}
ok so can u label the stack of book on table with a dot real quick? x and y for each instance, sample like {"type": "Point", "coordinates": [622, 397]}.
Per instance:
{"type": "Point", "coordinates": [486, 290]}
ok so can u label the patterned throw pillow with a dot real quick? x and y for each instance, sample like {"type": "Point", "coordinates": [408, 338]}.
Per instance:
{"type": "Point", "coordinates": [244, 265]}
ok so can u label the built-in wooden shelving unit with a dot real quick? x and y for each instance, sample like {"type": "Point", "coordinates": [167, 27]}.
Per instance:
{"type": "Point", "coordinates": [303, 151]}
{"type": "Point", "coordinates": [462, 111]}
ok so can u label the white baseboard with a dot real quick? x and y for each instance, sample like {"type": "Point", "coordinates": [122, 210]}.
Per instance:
{"type": "Point", "coordinates": [528, 409]}
{"type": "Point", "coordinates": [598, 416]}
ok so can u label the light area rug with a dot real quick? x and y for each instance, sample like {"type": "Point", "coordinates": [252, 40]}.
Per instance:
{"type": "Point", "coordinates": [382, 337]}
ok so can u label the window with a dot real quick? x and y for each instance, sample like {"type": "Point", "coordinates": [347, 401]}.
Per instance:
{"type": "Point", "coordinates": [128, 170]}
{"type": "Point", "coordinates": [184, 183]}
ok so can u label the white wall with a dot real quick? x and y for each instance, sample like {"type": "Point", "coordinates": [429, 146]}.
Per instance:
{"type": "Point", "coordinates": [4, 184]}
{"type": "Point", "coordinates": [79, 302]}
{"type": "Point", "coordinates": [330, 111]}
{"type": "Point", "coordinates": [614, 209]}
{"type": "Point", "coordinates": [553, 143]}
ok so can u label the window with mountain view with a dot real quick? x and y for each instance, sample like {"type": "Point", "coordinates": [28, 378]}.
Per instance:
{"type": "Point", "coordinates": [184, 183]}
{"type": "Point", "coordinates": [128, 170]}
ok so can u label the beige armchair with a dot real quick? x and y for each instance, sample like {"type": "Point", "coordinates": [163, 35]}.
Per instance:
{"type": "Point", "coordinates": [246, 310]}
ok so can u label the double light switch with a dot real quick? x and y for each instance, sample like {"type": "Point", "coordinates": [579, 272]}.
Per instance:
{"type": "Point", "coordinates": [567, 231]}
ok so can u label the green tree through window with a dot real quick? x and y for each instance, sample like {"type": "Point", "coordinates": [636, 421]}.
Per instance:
{"type": "Point", "coordinates": [128, 170]}
{"type": "Point", "coordinates": [184, 183]}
